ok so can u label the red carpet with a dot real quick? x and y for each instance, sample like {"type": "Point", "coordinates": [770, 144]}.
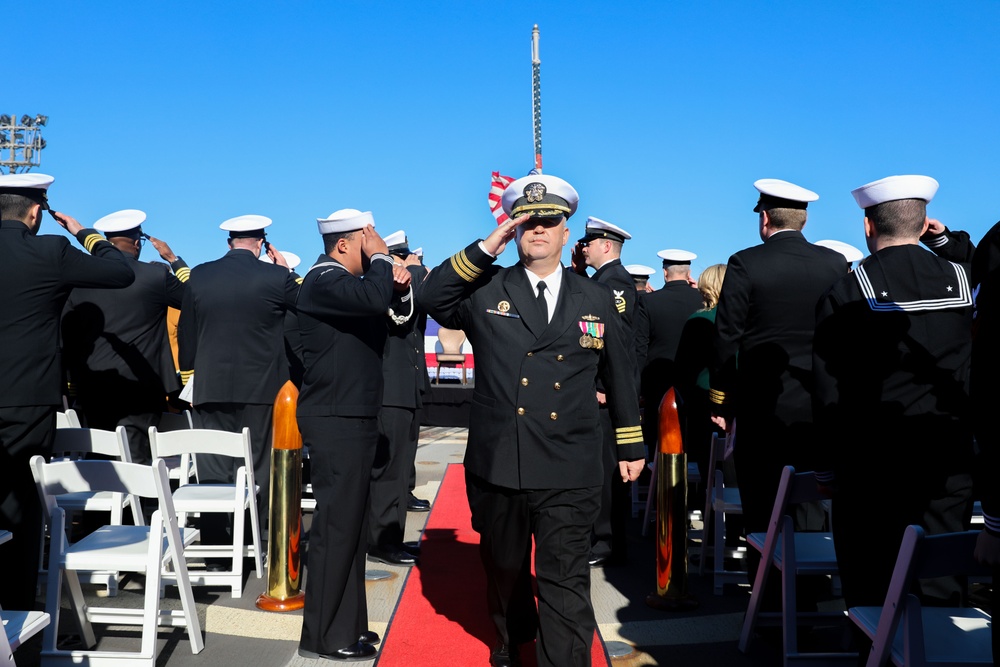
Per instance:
{"type": "Point", "coordinates": [441, 616]}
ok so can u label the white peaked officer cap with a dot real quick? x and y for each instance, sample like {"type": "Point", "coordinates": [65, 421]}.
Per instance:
{"type": "Point", "coordinates": [121, 223]}
{"type": "Point", "coordinates": [540, 195]}
{"type": "Point", "coordinates": [246, 226]}
{"type": "Point", "coordinates": [32, 186]}
{"type": "Point", "coordinates": [776, 193]}
{"type": "Point", "coordinates": [675, 256]}
{"type": "Point", "coordinates": [892, 188]}
{"type": "Point", "coordinates": [595, 228]}
{"type": "Point", "coordinates": [419, 252]}
{"type": "Point", "coordinates": [850, 253]}
{"type": "Point", "coordinates": [291, 258]}
{"type": "Point", "coordinates": [639, 270]}
{"type": "Point", "coordinates": [345, 220]}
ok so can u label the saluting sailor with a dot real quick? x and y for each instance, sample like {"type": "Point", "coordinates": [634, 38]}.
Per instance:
{"type": "Point", "coordinates": [891, 362]}
{"type": "Point", "coordinates": [37, 273]}
{"type": "Point", "coordinates": [115, 341]}
{"type": "Point", "coordinates": [231, 339]}
{"type": "Point", "coordinates": [543, 336]}
{"type": "Point", "coordinates": [342, 320]}
{"type": "Point", "coordinates": [405, 379]}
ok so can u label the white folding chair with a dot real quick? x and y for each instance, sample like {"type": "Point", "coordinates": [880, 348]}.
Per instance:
{"type": "Point", "coordinates": [236, 499]}
{"type": "Point", "coordinates": [67, 419]}
{"type": "Point", "coordinates": [18, 626]}
{"type": "Point", "coordinates": [73, 443]}
{"type": "Point", "coordinates": [178, 421]}
{"type": "Point", "coordinates": [142, 549]}
{"type": "Point", "coordinates": [720, 501]}
{"type": "Point", "coordinates": [904, 632]}
{"type": "Point", "coordinates": [794, 554]}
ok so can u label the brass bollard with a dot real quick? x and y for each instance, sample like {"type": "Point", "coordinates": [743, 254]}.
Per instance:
{"type": "Point", "coordinates": [284, 563]}
{"type": "Point", "coordinates": [671, 514]}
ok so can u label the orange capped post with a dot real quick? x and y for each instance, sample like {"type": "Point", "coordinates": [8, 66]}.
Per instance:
{"type": "Point", "coordinates": [284, 563]}
{"type": "Point", "coordinates": [671, 513]}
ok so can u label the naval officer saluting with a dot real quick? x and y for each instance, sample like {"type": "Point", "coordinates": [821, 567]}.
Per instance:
{"type": "Point", "coordinates": [37, 273]}
{"type": "Point", "coordinates": [543, 336]}
{"type": "Point", "coordinates": [231, 336]}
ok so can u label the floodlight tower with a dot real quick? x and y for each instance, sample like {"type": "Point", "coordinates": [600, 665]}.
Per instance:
{"type": "Point", "coordinates": [21, 143]}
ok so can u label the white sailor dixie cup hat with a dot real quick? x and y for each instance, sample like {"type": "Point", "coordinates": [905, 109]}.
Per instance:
{"type": "Point", "coordinates": [126, 222]}
{"type": "Point", "coordinates": [595, 228]}
{"type": "Point", "coordinates": [32, 186]}
{"type": "Point", "coordinates": [850, 253]}
{"type": "Point", "coordinates": [892, 188]}
{"type": "Point", "coordinates": [540, 195]}
{"type": "Point", "coordinates": [776, 193]}
{"type": "Point", "coordinates": [246, 226]}
{"type": "Point", "coordinates": [675, 256]}
{"type": "Point", "coordinates": [291, 258]}
{"type": "Point", "coordinates": [345, 220]}
{"type": "Point", "coordinates": [397, 243]}
{"type": "Point", "coordinates": [639, 270]}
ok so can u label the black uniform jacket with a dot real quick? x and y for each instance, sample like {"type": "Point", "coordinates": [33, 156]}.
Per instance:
{"type": "Point", "coordinates": [891, 362]}
{"type": "Point", "coordinates": [342, 323]}
{"type": "Point", "coordinates": [230, 330]}
{"type": "Point", "coordinates": [985, 373]}
{"type": "Point", "coordinates": [403, 365]}
{"type": "Point", "coordinates": [38, 273]}
{"type": "Point", "coordinates": [660, 322]}
{"type": "Point", "coordinates": [613, 275]}
{"type": "Point", "coordinates": [534, 422]}
{"type": "Point", "coordinates": [115, 341]}
{"type": "Point", "coordinates": [767, 315]}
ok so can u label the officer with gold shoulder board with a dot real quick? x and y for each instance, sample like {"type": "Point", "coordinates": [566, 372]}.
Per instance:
{"type": "Point", "coordinates": [38, 273]}
{"type": "Point", "coordinates": [543, 336]}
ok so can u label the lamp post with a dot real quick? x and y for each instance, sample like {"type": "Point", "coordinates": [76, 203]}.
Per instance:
{"type": "Point", "coordinates": [21, 142]}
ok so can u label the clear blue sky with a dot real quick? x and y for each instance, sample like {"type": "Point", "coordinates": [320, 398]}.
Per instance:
{"type": "Point", "coordinates": [661, 114]}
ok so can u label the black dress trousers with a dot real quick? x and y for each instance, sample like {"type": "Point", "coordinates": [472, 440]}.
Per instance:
{"type": "Point", "coordinates": [341, 454]}
{"type": "Point", "coordinates": [397, 448]}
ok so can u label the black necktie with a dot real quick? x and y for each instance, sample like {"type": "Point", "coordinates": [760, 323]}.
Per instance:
{"type": "Point", "coordinates": [542, 303]}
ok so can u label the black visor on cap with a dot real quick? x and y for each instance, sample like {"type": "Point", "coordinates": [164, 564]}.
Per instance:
{"type": "Point", "coordinates": [767, 202]}
{"type": "Point", "coordinates": [401, 250]}
{"type": "Point", "coordinates": [250, 234]}
{"type": "Point", "coordinates": [601, 234]}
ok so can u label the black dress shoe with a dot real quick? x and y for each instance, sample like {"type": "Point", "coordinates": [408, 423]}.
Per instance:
{"type": "Point", "coordinates": [356, 651]}
{"type": "Point", "coordinates": [412, 548]}
{"type": "Point", "coordinates": [505, 655]}
{"type": "Point", "coordinates": [369, 637]}
{"type": "Point", "coordinates": [598, 561]}
{"type": "Point", "coordinates": [414, 504]}
{"type": "Point", "coordinates": [391, 555]}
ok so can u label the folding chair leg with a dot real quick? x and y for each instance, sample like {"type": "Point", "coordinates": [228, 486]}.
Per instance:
{"type": "Point", "coordinates": [184, 591]}
{"type": "Point", "coordinates": [719, 550]}
{"type": "Point", "coordinates": [238, 550]}
{"type": "Point", "coordinates": [753, 609]}
{"type": "Point", "coordinates": [789, 592]}
{"type": "Point", "coordinates": [257, 547]}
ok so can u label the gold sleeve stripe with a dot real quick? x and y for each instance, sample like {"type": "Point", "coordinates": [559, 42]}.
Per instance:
{"type": "Point", "coordinates": [627, 430]}
{"type": "Point", "coordinates": [717, 397]}
{"type": "Point", "coordinates": [298, 281]}
{"type": "Point", "coordinates": [185, 376]}
{"type": "Point", "coordinates": [463, 259]}
{"type": "Point", "coordinates": [183, 274]}
{"type": "Point", "coordinates": [632, 440]}
{"type": "Point", "coordinates": [92, 240]}
{"type": "Point", "coordinates": [621, 308]}
{"type": "Point", "coordinates": [464, 268]}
